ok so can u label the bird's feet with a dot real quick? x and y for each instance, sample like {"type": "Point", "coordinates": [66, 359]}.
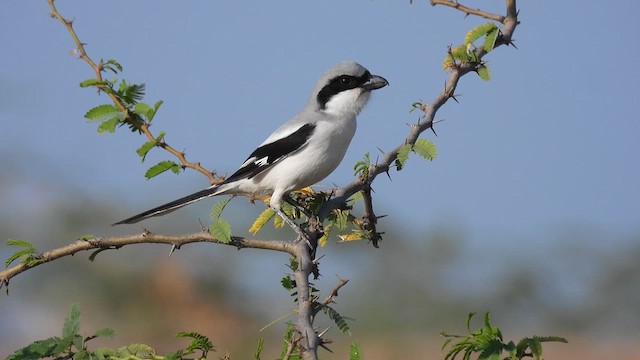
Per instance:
{"type": "Point", "coordinates": [302, 235]}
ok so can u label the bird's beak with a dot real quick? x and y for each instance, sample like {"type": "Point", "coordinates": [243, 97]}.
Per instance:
{"type": "Point", "coordinates": [375, 82]}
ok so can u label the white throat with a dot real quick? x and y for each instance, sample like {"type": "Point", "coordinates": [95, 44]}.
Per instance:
{"type": "Point", "coordinates": [347, 103]}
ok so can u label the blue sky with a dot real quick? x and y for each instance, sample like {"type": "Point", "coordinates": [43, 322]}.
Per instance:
{"type": "Point", "coordinates": [549, 141]}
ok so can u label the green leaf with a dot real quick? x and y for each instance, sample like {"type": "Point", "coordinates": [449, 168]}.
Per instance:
{"type": "Point", "coordinates": [425, 148]}
{"type": "Point", "coordinates": [221, 230]}
{"type": "Point", "coordinates": [102, 112]}
{"type": "Point", "coordinates": [130, 94]}
{"type": "Point", "coordinates": [403, 155]}
{"type": "Point", "coordinates": [71, 322]}
{"type": "Point", "coordinates": [112, 63]}
{"type": "Point", "coordinates": [145, 148]}
{"type": "Point", "coordinates": [104, 332]}
{"type": "Point", "coordinates": [536, 348]}
{"type": "Point", "coordinates": [256, 355]}
{"type": "Point", "coordinates": [26, 254]}
{"type": "Point", "coordinates": [483, 72]}
{"type": "Point", "coordinates": [136, 350]}
{"type": "Point", "coordinates": [104, 353]}
{"type": "Point", "coordinates": [478, 32]}
{"type": "Point", "coordinates": [490, 40]}
{"type": "Point", "coordinates": [141, 109]}
{"type": "Point", "coordinates": [355, 353]}
{"type": "Point", "coordinates": [110, 125]}
{"type": "Point", "coordinates": [288, 335]}
{"type": "Point", "coordinates": [87, 237]}
{"type": "Point", "coordinates": [461, 52]}
{"type": "Point", "coordinates": [288, 283]}
{"type": "Point", "coordinates": [491, 351]}
{"type": "Point", "coordinates": [552, 339]}
{"type": "Point", "coordinates": [94, 254]}
{"type": "Point", "coordinates": [471, 314]}
{"type": "Point", "coordinates": [218, 208]}
{"type": "Point", "coordinates": [262, 219]}
{"type": "Point", "coordinates": [342, 217]}
{"type": "Point", "coordinates": [198, 342]}
{"type": "Point", "coordinates": [361, 168]}
{"type": "Point", "coordinates": [151, 112]}
{"type": "Point", "coordinates": [94, 82]}
{"type": "Point", "coordinates": [161, 167]}
{"type": "Point", "coordinates": [355, 198]}
{"type": "Point", "coordinates": [37, 350]}
{"type": "Point", "coordinates": [337, 319]}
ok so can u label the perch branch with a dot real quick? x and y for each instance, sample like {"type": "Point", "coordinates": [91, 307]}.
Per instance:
{"type": "Point", "coordinates": [116, 242]}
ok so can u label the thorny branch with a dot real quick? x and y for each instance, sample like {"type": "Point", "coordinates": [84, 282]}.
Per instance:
{"type": "Point", "coordinates": [116, 242]}
{"type": "Point", "coordinates": [144, 127]}
{"type": "Point", "coordinates": [469, 11]}
{"type": "Point", "coordinates": [510, 22]}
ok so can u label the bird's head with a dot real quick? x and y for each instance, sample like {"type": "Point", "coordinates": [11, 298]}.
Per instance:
{"type": "Point", "coordinates": [344, 89]}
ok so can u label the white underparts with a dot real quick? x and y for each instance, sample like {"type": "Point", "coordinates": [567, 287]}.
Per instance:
{"type": "Point", "coordinates": [347, 103]}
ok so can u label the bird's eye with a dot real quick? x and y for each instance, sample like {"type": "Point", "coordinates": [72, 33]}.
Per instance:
{"type": "Point", "coordinates": [346, 81]}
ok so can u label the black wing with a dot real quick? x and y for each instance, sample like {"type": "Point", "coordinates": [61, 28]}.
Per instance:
{"type": "Point", "coordinates": [268, 154]}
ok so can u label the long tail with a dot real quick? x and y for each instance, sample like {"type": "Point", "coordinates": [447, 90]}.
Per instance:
{"type": "Point", "coordinates": [171, 206]}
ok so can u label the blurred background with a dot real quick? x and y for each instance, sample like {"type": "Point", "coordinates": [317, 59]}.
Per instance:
{"type": "Point", "coordinates": [531, 211]}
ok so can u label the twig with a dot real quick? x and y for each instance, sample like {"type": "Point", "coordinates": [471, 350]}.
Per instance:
{"type": "Point", "coordinates": [107, 243]}
{"type": "Point", "coordinates": [330, 296]}
{"type": "Point", "coordinates": [469, 11]}
{"type": "Point", "coordinates": [144, 128]}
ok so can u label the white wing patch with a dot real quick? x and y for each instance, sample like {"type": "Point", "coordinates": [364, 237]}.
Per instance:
{"type": "Point", "coordinates": [250, 160]}
{"type": "Point", "coordinates": [262, 162]}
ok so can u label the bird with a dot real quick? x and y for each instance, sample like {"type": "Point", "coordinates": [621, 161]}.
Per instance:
{"type": "Point", "coordinates": [302, 151]}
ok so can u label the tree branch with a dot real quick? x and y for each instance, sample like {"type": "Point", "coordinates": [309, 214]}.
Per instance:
{"type": "Point", "coordinates": [144, 127]}
{"type": "Point", "coordinates": [109, 243]}
{"type": "Point", "coordinates": [468, 11]}
{"type": "Point", "coordinates": [341, 195]}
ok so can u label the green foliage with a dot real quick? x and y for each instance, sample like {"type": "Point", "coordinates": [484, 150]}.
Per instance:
{"type": "Point", "coordinates": [259, 348]}
{"type": "Point", "coordinates": [361, 168]}
{"type": "Point", "coordinates": [479, 31]}
{"type": "Point", "coordinates": [198, 342]}
{"type": "Point", "coordinates": [490, 39]}
{"type": "Point", "coordinates": [220, 228]}
{"type": "Point", "coordinates": [338, 319]}
{"type": "Point", "coordinates": [423, 147]}
{"type": "Point", "coordinates": [465, 53]}
{"type": "Point", "coordinates": [26, 254]}
{"type": "Point", "coordinates": [483, 72]}
{"type": "Point", "coordinates": [72, 345]}
{"type": "Point", "coordinates": [161, 167]}
{"type": "Point", "coordinates": [112, 65]}
{"type": "Point", "coordinates": [488, 343]}
{"type": "Point", "coordinates": [286, 343]}
{"type": "Point", "coordinates": [102, 112]}
{"type": "Point", "coordinates": [355, 353]}
{"type": "Point", "coordinates": [146, 147]}
{"type": "Point", "coordinates": [403, 155]}
{"type": "Point", "coordinates": [108, 115]}
{"type": "Point", "coordinates": [288, 282]}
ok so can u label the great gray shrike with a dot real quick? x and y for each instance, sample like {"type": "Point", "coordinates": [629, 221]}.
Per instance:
{"type": "Point", "coordinates": [301, 152]}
